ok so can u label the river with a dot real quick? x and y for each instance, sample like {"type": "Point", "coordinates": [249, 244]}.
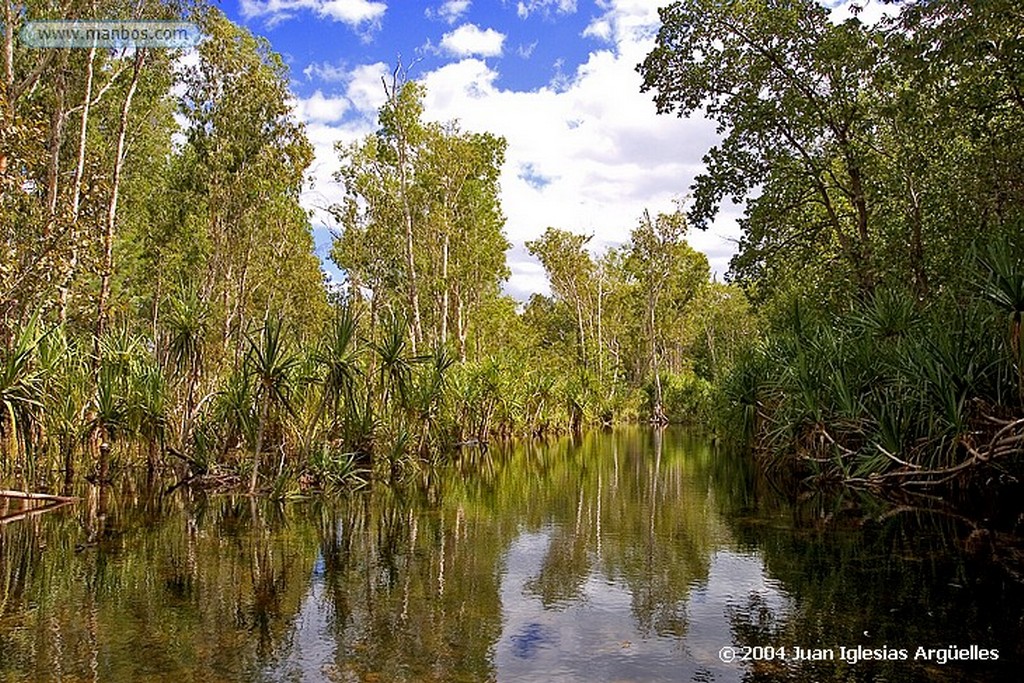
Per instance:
{"type": "Point", "coordinates": [630, 555]}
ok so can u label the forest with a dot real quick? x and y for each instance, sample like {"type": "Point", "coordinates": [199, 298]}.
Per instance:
{"type": "Point", "coordinates": [162, 306]}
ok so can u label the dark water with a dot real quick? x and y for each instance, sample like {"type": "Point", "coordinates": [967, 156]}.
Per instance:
{"type": "Point", "coordinates": [622, 557]}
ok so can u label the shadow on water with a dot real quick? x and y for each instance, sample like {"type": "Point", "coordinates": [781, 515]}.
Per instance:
{"type": "Point", "coordinates": [632, 555]}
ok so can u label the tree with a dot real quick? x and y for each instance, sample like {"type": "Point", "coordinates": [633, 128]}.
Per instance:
{"type": "Point", "coordinates": [244, 163]}
{"type": "Point", "coordinates": [789, 90]}
{"type": "Point", "coordinates": [421, 220]}
{"type": "Point", "coordinates": [570, 271]}
{"type": "Point", "coordinates": [669, 274]}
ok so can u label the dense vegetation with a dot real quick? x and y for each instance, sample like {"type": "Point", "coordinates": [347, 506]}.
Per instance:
{"type": "Point", "coordinates": [160, 301]}
{"type": "Point", "coordinates": [882, 243]}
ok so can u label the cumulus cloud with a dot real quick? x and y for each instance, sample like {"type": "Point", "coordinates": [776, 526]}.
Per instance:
{"type": "Point", "coordinates": [343, 117]}
{"type": "Point", "coordinates": [326, 72]}
{"type": "Point", "coordinates": [319, 108]}
{"type": "Point", "coordinates": [352, 12]}
{"type": "Point", "coordinates": [450, 11]}
{"type": "Point", "coordinates": [355, 13]}
{"type": "Point", "coordinates": [470, 39]}
{"type": "Point", "coordinates": [588, 154]}
{"type": "Point", "coordinates": [547, 7]}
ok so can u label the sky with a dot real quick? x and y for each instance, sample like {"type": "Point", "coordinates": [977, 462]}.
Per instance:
{"type": "Point", "coordinates": [556, 78]}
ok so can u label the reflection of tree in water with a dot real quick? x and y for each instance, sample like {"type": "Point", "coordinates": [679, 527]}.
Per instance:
{"type": "Point", "coordinates": [658, 537]}
{"type": "Point", "coordinates": [567, 563]}
{"type": "Point", "coordinates": [413, 591]}
{"type": "Point", "coordinates": [138, 587]}
{"type": "Point", "coordinates": [858, 574]}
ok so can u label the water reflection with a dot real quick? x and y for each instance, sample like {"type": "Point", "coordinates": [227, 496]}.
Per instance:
{"type": "Point", "coordinates": [632, 556]}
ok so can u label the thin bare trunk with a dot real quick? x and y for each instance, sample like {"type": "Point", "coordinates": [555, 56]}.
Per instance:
{"type": "Point", "coordinates": [460, 322]}
{"type": "Point", "coordinates": [410, 264]}
{"type": "Point", "coordinates": [264, 413]}
{"type": "Point", "coordinates": [579, 327]}
{"type": "Point", "coordinates": [57, 119]}
{"type": "Point", "coordinates": [111, 219]}
{"type": "Point", "coordinates": [659, 413]}
{"type": "Point", "coordinates": [9, 56]}
{"type": "Point", "coordinates": [445, 285]}
{"type": "Point", "coordinates": [916, 244]}
{"type": "Point", "coordinates": [600, 338]}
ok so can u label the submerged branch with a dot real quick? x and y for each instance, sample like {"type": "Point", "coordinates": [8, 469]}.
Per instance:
{"type": "Point", "coordinates": [24, 495]}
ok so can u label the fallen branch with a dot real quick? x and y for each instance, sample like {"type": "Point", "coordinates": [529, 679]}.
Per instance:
{"type": "Point", "coordinates": [24, 495]}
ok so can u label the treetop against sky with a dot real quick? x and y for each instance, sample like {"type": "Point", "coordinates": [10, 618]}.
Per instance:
{"type": "Point", "coordinates": [556, 78]}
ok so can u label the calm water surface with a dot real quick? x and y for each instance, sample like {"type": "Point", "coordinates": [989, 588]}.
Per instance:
{"type": "Point", "coordinates": [628, 556]}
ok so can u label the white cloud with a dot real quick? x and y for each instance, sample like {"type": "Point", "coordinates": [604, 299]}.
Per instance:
{"type": "Point", "coordinates": [326, 72]}
{"type": "Point", "coordinates": [525, 9]}
{"type": "Point", "coordinates": [470, 39]}
{"type": "Point", "coordinates": [335, 118]}
{"type": "Point", "coordinates": [366, 87]}
{"type": "Point", "coordinates": [352, 12]}
{"type": "Point", "coordinates": [355, 13]}
{"type": "Point", "coordinates": [526, 51]}
{"type": "Point", "coordinates": [625, 22]}
{"type": "Point", "coordinates": [600, 29]}
{"type": "Point", "coordinates": [450, 11]}
{"type": "Point", "coordinates": [321, 109]}
{"type": "Point", "coordinates": [588, 156]}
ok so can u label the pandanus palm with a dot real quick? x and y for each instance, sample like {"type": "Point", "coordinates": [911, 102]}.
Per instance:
{"type": "Point", "coordinates": [21, 383]}
{"type": "Point", "coordinates": [68, 389]}
{"type": "Point", "coordinates": [271, 362]}
{"type": "Point", "coordinates": [1005, 288]}
{"type": "Point", "coordinates": [186, 329]}
{"type": "Point", "coordinates": [395, 370]}
{"type": "Point", "coordinates": [429, 392]}
{"type": "Point", "coordinates": [338, 355]}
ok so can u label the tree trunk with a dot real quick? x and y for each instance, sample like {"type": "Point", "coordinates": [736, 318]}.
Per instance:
{"type": "Point", "coordinates": [600, 337]}
{"type": "Point", "coordinates": [916, 244]}
{"type": "Point", "coordinates": [659, 413]}
{"type": "Point", "coordinates": [9, 57]}
{"type": "Point", "coordinates": [579, 328]}
{"type": "Point", "coordinates": [76, 183]}
{"type": "Point", "coordinates": [460, 323]}
{"type": "Point", "coordinates": [410, 264]}
{"type": "Point", "coordinates": [57, 119]}
{"type": "Point", "coordinates": [445, 287]}
{"type": "Point", "coordinates": [111, 219]}
{"type": "Point", "coordinates": [410, 260]}
{"type": "Point", "coordinates": [264, 412]}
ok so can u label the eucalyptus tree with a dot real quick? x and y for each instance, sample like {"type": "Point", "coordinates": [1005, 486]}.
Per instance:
{"type": "Point", "coordinates": [384, 206]}
{"type": "Point", "coordinates": [246, 155]}
{"type": "Point", "coordinates": [669, 274]}
{"type": "Point", "coordinates": [421, 219]}
{"type": "Point", "coordinates": [570, 271]}
{"type": "Point", "coordinates": [68, 120]}
{"type": "Point", "coordinates": [464, 220]}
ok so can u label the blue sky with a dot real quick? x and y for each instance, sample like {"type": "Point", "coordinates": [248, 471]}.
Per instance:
{"type": "Point", "coordinates": [586, 151]}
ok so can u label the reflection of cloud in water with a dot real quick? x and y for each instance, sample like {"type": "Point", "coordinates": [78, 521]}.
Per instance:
{"type": "Point", "coordinates": [595, 637]}
{"type": "Point", "coordinates": [313, 646]}
{"type": "Point", "coordinates": [735, 581]}
{"type": "Point", "coordinates": [531, 639]}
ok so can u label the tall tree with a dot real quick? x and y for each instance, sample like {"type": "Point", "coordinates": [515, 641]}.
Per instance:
{"type": "Point", "coordinates": [246, 155]}
{"type": "Point", "coordinates": [669, 274]}
{"type": "Point", "coordinates": [570, 270]}
{"type": "Point", "coordinates": [421, 220]}
{"type": "Point", "coordinates": [789, 89]}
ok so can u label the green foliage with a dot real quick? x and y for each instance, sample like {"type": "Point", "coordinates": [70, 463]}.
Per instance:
{"type": "Point", "coordinates": [686, 398]}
